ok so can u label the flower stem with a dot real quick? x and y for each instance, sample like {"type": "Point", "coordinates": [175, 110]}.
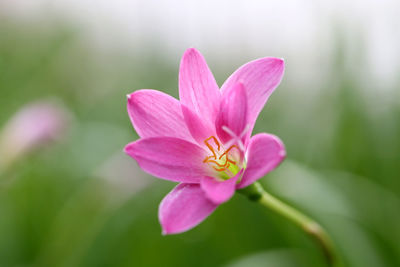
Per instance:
{"type": "Point", "coordinates": [256, 192]}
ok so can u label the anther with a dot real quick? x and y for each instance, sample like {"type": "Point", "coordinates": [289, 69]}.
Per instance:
{"type": "Point", "coordinates": [219, 166]}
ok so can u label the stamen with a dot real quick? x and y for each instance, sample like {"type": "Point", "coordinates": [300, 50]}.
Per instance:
{"type": "Point", "coordinates": [210, 147]}
{"type": "Point", "coordinates": [234, 146]}
{"type": "Point", "coordinates": [216, 161]}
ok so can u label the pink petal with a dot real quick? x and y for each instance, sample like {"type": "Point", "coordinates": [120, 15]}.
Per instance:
{"type": "Point", "coordinates": [219, 191]}
{"type": "Point", "coordinates": [260, 78]}
{"type": "Point", "coordinates": [183, 208]}
{"type": "Point", "coordinates": [154, 114]}
{"type": "Point", "coordinates": [233, 114]}
{"type": "Point", "coordinates": [265, 152]}
{"type": "Point", "coordinates": [197, 87]}
{"type": "Point", "coordinates": [169, 158]}
{"type": "Point", "coordinates": [200, 129]}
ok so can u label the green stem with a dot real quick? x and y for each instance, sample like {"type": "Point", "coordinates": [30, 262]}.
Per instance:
{"type": "Point", "coordinates": [256, 192]}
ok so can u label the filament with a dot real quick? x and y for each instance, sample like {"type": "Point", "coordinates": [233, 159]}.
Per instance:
{"type": "Point", "coordinates": [216, 161]}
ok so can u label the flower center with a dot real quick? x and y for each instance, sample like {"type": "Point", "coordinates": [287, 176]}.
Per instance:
{"type": "Point", "coordinates": [222, 160]}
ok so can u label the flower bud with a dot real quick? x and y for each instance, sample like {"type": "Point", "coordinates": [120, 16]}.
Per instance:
{"type": "Point", "coordinates": [33, 126]}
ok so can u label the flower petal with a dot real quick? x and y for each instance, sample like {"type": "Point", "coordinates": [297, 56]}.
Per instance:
{"type": "Point", "coordinates": [265, 152]}
{"type": "Point", "coordinates": [183, 208]}
{"type": "Point", "coordinates": [197, 87]}
{"type": "Point", "coordinates": [199, 129]}
{"type": "Point", "coordinates": [154, 114]}
{"type": "Point", "coordinates": [260, 78]}
{"type": "Point", "coordinates": [233, 115]}
{"type": "Point", "coordinates": [219, 191]}
{"type": "Point", "coordinates": [169, 158]}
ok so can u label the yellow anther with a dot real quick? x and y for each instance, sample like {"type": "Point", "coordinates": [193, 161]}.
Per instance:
{"type": "Point", "coordinates": [220, 163]}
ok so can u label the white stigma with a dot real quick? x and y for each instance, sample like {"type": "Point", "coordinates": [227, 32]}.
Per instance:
{"type": "Point", "coordinates": [236, 138]}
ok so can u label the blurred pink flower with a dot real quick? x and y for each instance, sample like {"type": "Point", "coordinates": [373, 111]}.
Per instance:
{"type": "Point", "coordinates": [203, 141]}
{"type": "Point", "coordinates": [36, 124]}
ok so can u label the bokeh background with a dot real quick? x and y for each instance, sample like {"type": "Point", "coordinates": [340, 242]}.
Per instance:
{"type": "Point", "coordinates": [72, 198]}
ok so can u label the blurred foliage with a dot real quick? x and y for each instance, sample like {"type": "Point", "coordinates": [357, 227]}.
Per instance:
{"type": "Point", "coordinates": [343, 168]}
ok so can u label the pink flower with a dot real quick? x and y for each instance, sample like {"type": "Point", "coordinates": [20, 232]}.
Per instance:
{"type": "Point", "coordinates": [33, 126]}
{"type": "Point", "coordinates": [203, 141]}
